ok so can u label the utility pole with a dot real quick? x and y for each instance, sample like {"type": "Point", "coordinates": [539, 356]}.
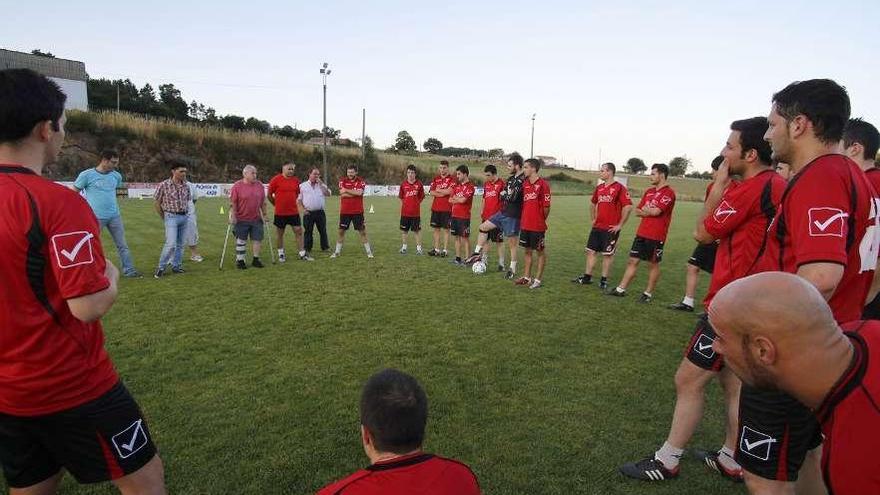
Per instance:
{"type": "Point", "coordinates": [532, 149]}
{"type": "Point", "coordinates": [364, 138]}
{"type": "Point", "coordinates": [117, 96]}
{"type": "Point", "coordinates": [324, 73]}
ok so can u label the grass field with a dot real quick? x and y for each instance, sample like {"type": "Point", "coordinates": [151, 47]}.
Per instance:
{"type": "Point", "coordinates": [250, 379]}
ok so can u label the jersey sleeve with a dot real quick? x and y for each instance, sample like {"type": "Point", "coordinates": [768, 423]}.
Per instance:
{"type": "Point", "coordinates": [81, 180]}
{"type": "Point", "coordinates": [233, 193]}
{"type": "Point", "coordinates": [421, 191]}
{"type": "Point", "coordinates": [595, 198]}
{"type": "Point", "coordinates": [545, 200]}
{"type": "Point", "coordinates": [469, 192]}
{"type": "Point", "coordinates": [625, 200]}
{"type": "Point", "coordinates": [120, 182]}
{"type": "Point", "coordinates": [735, 208]}
{"type": "Point", "coordinates": [816, 218]}
{"type": "Point", "coordinates": [666, 201]}
{"type": "Point", "coordinates": [74, 247]}
{"type": "Point", "coordinates": [160, 192]}
{"type": "Point", "coordinates": [273, 186]}
{"type": "Point", "coordinates": [643, 200]}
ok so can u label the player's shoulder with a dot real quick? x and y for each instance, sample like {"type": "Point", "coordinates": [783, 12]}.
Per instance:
{"type": "Point", "coordinates": [53, 196]}
{"type": "Point", "coordinates": [351, 481]}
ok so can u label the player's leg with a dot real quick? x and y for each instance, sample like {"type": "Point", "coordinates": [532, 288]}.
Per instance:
{"type": "Point", "coordinates": [117, 232]}
{"type": "Point", "coordinates": [241, 231]}
{"type": "Point", "coordinates": [417, 233]}
{"type": "Point", "coordinates": [631, 266]}
{"type": "Point", "coordinates": [595, 243]}
{"type": "Point", "coordinates": [256, 244]}
{"type": "Point", "coordinates": [180, 235]}
{"type": "Point", "coordinates": [607, 260]}
{"type": "Point", "coordinates": [541, 254]}
{"type": "Point", "coordinates": [513, 246]}
{"type": "Point", "coordinates": [482, 239]}
{"type": "Point", "coordinates": [404, 236]}
{"type": "Point", "coordinates": [653, 277]}
{"type": "Point", "coordinates": [361, 226]}
{"type": "Point", "coordinates": [321, 223]}
{"type": "Point", "coordinates": [308, 232]}
{"type": "Point", "coordinates": [499, 242]}
{"type": "Point", "coordinates": [527, 266]}
{"type": "Point", "coordinates": [168, 246]}
{"type": "Point", "coordinates": [298, 232]}
{"type": "Point", "coordinates": [757, 485]}
{"type": "Point", "coordinates": [810, 481]}
{"type": "Point", "coordinates": [148, 480]}
{"type": "Point", "coordinates": [445, 239]}
{"type": "Point", "coordinates": [48, 486]}
{"type": "Point", "coordinates": [279, 242]}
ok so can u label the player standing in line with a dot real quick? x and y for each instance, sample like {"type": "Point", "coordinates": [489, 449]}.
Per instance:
{"type": "Point", "coordinates": [247, 212]}
{"type": "Point", "coordinates": [284, 194]}
{"type": "Point", "coordinates": [351, 209]}
{"type": "Point", "coordinates": [736, 215]}
{"type": "Point", "coordinates": [609, 208]}
{"type": "Point", "coordinates": [441, 208]}
{"type": "Point", "coordinates": [535, 209]}
{"type": "Point", "coordinates": [461, 200]}
{"type": "Point", "coordinates": [824, 231]}
{"type": "Point", "coordinates": [782, 169]}
{"type": "Point", "coordinates": [411, 194]}
{"type": "Point", "coordinates": [860, 142]}
{"type": "Point", "coordinates": [62, 404]}
{"type": "Point", "coordinates": [492, 188]}
{"type": "Point", "coordinates": [655, 210]}
{"type": "Point", "coordinates": [508, 218]}
{"type": "Point", "coordinates": [703, 257]}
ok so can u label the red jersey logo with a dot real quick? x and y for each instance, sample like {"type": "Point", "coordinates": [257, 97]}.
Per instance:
{"type": "Point", "coordinates": [723, 212]}
{"type": "Point", "coordinates": [827, 222]}
{"type": "Point", "coordinates": [73, 249]}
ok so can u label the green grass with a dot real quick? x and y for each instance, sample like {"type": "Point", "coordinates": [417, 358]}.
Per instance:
{"type": "Point", "coordinates": [250, 379]}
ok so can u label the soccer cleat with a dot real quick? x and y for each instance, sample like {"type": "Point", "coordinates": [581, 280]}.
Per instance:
{"type": "Point", "coordinates": [583, 280]}
{"type": "Point", "coordinates": [603, 286]}
{"type": "Point", "coordinates": [370, 256]}
{"type": "Point", "coordinates": [159, 273]}
{"type": "Point", "coordinates": [680, 306]}
{"type": "Point", "coordinates": [444, 253]}
{"type": "Point", "coordinates": [256, 263]}
{"type": "Point", "coordinates": [240, 264]}
{"type": "Point", "coordinates": [473, 258]}
{"type": "Point", "coordinates": [616, 293]}
{"type": "Point", "coordinates": [536, 284]}
{"type": "Point", "coordinates": [419, 252]}
{"type": "Point", "coordinates": [710, 459]}
{"type": "Point", "coordinates": [306, 257]}
{"type": "Point", "coordinates": [523, 281]}
{"type": "Point", "coordinates": [645, 299]}
{"type": "Point", "coordinates": [456, 262]}
{"type": "Point", "coordinates": [334, 255]}
{"type": "Point", "coordinates": [402, 250]}
{"type": "Point", "coordinates": [196, 258]}
{"type": "Point", "coordinates": [433, 252]}
{"type": "Point", "coordinates": [500, 268]}
{"type": "Point", "coordinates": [282, 258]}
{"type": "Point", "coordinates": [177, 270]}
{"type": "Point", "coordinates": [648, 469]}
{"type": "Point", "coordinates": [509, 275]}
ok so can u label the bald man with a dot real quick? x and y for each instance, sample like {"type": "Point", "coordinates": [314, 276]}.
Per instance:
{"type": "Point", "coordinates": [788, 340]}
{"type": "Point", "coordinates": [247, 209]}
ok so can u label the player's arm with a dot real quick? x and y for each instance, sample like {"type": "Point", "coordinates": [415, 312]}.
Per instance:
{"type": "Point", "coordinates": [92, 307]}
{"type": "Point", "coordinates": [271, 196]}
{"type": "Point", "coordinates": [157, 201]}
{"type": "Point", "coordinates": [80, 183]}
{"type": "Point", "coordinates": [593, 212]}
{"type": "Point", "coordinates": [722, 180]}
{"type": "Point", "coordinates": [300, 205]}
{"type": "Point", "coordinates": [824, 276]}
{"type": "Point", "coordinates": [624, 216]}
{"type": "Point", "coordinates": [355, 192]}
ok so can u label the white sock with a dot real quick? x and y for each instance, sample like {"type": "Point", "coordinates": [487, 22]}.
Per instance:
{"type": "Point", "coordinates": [620, 289]}
{"type": "Point", "coordinates": [669, 455]}
{"type": "Point", "coordinates": [688, 300]}
{"type": "Point", "coordinates": [536, 280]}
{"type": "Point", "coordinates": [403, 246]}
{"type": "Point", "coordinates": [513, 266]}
{"type": "Point", "coordinates": [501, 261]}
{"type": "Point", "coordinates": [302, 252]}
{"type": "Point", "coordinates": [725, 457]}
{"type": "Point", "coordinates": [418, 247]}
{"type": "Point", "coordinates": [367, 248]}
{"type": "Point", "coordinates": [478, 248]}
{"type": "Point", "coordinates": [280, 251]}
{"type": "Point", "coordinates": [338, 247]}
{"type": "Point", "coordinates": [647, 294]}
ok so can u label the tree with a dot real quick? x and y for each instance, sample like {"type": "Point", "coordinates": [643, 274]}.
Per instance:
{"type": "Point", "coordinates": [333, 133]}
{"type": "Point", "coordinates": [313, 133]}
{"type": "Point", "coordinates": [679, 165]}
{"type": "Point", "coordinates": [41, 53]}
{"type": "Point", "coordinates": [496, 153]}
{"type": "Point", "coordinates": [175, 106]}
{"type": "Point", "coordinates": [405, 142]}
{"type": "Point", "coordinates": [257, 125]}
{"type": "Point", "coordinates": [233, 122]}
{"type": "Point", "coordinates": [635, 166]}
{"type": "Point", "coordinates": [432, 145]}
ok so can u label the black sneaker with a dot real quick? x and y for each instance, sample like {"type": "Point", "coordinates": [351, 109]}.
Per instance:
{"type": "Point", "coordinates": [509, 275]}
{"type": "Point", "coordinates": [616, 293]}
{"type": "Point", "coordinates": [648, 469]}
{"type": "Point", "coordinates": [241, 265]}
{"type": "Point", "coordinates": [710, 459]}
{"type": "Point", "coordinates": [444, 253]}
{"type": "Point", "coordinates": [256, 263]}
{"type": "Point", "coordinates": [680, 306]}
{"type": "Point", "coordinates": [433, 252]}
{"type": "Point", "coordinates": [500, 268]}
{"type": "Point", "coordinates": [603, 285]}
{"type": "Point", "coordinates": [583, 280]}
{"type": "Point", "coordinates": [645, 299]}
{"type": "Point", "coordinates": [159, 273]}
{"type": "Point", "coordinates": [178, 270]}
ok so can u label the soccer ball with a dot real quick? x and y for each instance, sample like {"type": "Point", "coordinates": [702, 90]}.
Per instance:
{"type": "Point", "coordinates": [479, 268]}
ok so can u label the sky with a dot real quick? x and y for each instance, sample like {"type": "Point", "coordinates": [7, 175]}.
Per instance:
{"type": "Point", "coordinates": [606, 80]}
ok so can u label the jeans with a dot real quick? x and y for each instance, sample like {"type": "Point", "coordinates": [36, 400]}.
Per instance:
{"type": "Point", "coordinates": [117, 232]}
{"type": "Point", "coordinates": [175, 230]}
{"type": "Point", "coordinates": [310, 220]}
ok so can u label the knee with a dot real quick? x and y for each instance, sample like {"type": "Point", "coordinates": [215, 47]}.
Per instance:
{"type": "Point", "coordinates": [687, 381]}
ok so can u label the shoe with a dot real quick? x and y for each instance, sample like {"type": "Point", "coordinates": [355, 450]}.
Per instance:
{"type": "Point", "coordinates": [583, 280]}
{"type": "Point", "coordinates": [306, 257]}
{"type": "Point", "coordinates": [680, 306]}
{"type": "Point", "coordinates": [178, 270]}
{"type": "Point", "coordinates": [536, 284]}
{"type": "Point", "coordinates": [402, 250]}
{"type": "Point", "coordinates": [645, 299]}
{"type": "Point", "coordinates": [433, 252]}
{"type": "Point", "coordinates": [419, 252]}
{"type": "Point", "coordinates": [241, 265]}
{"type": "Point", "coordinates": [197, 258]}
{"type": "Point", "coordinates": [134, 274]}
{"type": "Point", "coordinates": [456, 262]}
{"type": "Point", "coordinates": [370, 256]}
{"type": "Point", "coordinates": [444, 253]}
{"type": "Point", "coordinates": [648, 469]}
{"type": "Point", "coordinates": [282, 258]}
{"type": "Point", "coordinates": [334, 255]}
{"type": "Point", "coordinates": [473, 258]}
{"type": "Point", "coordinates": [710, 459]}
{"type": "Point", "coordinates": [509, 275]}
{"type": "Point", "coordinates": [159, 273]}
{"type": "Point", "coordinates": [522, 281]}
{"type": "Point", "coordinates": [615, 293]}
{"type": "Point", "coordinates": [256, 263]}
{"type": "Point", "coordinates": [603, 286]}
{"type": "Point", "coordinates": [500, 268]}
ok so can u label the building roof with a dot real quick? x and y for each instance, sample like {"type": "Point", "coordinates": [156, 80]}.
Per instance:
{"type": "Point", "coordinates": [48, 66]}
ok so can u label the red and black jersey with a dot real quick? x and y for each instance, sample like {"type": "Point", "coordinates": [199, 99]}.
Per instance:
{"type": "Point", "coordinates": [656, 228]}
{"type": "Point", "coordinates": [873, 175]}
{"type": "Point", "coordinates": [463, 191]}
{"type": "Point", "coordinates": [850, 417]}
{"type": "Point", "coordinates": [352, 205]}
{"type": "Point", "coordinates": [740, 223]}
{"type": "Point", "coordinates": [411, 195]}
{"type": "Point", "coordinates": [491, 198]}
{"type": "Point", "coordinates": [49, 360]}
{"type": "Point", "coordinates": [423, 474]}
{"type": "Point", "coordinates": [609, 200]}
{"type": "Point", "coordinates": [536, 197]}
{"type": "Point", "coordinates": [829, 214]}
{"type": "Point", "coordinates": [441, 203]}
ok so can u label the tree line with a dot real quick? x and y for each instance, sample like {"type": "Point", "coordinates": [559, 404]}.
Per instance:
{"type": "Point", "coordinates": [677, 168]}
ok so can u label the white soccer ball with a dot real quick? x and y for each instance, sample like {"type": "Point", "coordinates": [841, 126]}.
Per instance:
{"type": "Point", "coordinates": [479, 268]}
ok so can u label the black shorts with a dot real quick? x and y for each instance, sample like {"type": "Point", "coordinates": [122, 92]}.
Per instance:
{"type": "Point", "coordinates": [530, 239]}
{"type": "Point", "coordinates": [872, 310]}
{"type": "Point", "coordinates": [245, 229]}
{"type": "Point", "coordinates": [281, 221]}
{"type": "Point", "coordinates": [775, 434]}
{"type": "Point", "coordinates": [602, 241]}
{"type": "Point", "coordinates": [495, 235]}
{"type": "Point", "coordinates": [440, 219]}
{"type": "Point", "coordinates": [413, 224]}
{"type": "Point", "coordinates": [703, 257]}
{"type": "Point", "coordinates": [460, 227]}
{"type": "Point", "coordinates": [646, 250]}
{"type": "Point", "coordinates": [345, 221]}
{"type": "Point", "coordinates": [700, 351]}
{"type": "Point", "coordinates": [100, 440]}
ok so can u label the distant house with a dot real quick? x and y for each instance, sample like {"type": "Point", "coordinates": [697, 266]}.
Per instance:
{"type": "Point", "coordinates": [69, 74]}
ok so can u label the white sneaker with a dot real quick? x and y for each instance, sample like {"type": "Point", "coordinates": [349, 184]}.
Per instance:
{"type": "Point", "coordinates": [370, 255]}
{"type": "Point", "coordinates": [535, 284]}
{"type": "Point", "coordinates": [402, 250]}
{"type": "Point", "coordinates": [419, 252]}
{"type": "Point", "coordinates": [306, 257]}
{"type": "Point", "coordinates": [282, 258]}
{"type": "Point", "coordinates": [334, 255]}
{"type": "Point", "coordinates": [197, 258]}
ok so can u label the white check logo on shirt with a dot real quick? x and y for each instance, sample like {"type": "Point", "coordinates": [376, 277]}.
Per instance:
{"type": "Point", "coordinates": [73, 248]}
{"type": "Point", "coordinates": [827, 222]}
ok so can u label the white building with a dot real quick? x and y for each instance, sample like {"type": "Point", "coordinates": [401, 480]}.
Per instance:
{"type": "Point", "coordinates": [69, 74]}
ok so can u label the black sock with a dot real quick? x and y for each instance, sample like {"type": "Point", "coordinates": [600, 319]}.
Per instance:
{"type": "Point", "coordinates": [587, 276]}
{"type": "Point", "coordinates": [604, 279]}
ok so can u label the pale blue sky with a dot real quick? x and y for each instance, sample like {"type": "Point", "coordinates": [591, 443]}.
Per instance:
{"type": "Point", "coordinates": [652, 79]}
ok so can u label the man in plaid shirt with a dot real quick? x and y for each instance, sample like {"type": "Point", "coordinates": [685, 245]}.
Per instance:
{"type": "Point", "coordinates": [172, 202]}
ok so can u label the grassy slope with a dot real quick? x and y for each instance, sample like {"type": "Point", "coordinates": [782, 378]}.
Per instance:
{"type": "Point", "coordinates": [250, 380]}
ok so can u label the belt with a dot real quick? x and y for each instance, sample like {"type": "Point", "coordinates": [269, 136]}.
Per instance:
{"type": "Point", "coordinates": [176, 212]}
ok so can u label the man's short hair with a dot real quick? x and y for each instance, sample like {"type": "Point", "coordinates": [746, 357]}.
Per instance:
{"type": "Point", "coordinates": [516, 158]}
{"type": "Point", "coordinates": [824, 102]}
{"type": "Point", "coordinates": [175, 164]}
{"type": "Point", "coordinates": [490, 169]}
{"type": "Point", "coordinates": [610, 166]}
{"type": "Point", "coordinates": [444, 162]}
{"type": "Point", "coordinates": [352, 167]}
{"type": "Point", "coordinates": [864, 133]}
{"type": "Point", "coordinates": [394, 409]}
{"type": "Point", "coordinates": [463, 169]}
{"type": "Point", "coordinates": [534, 162]}
{"type": "Point", "coordinates": [288, 163]}
{"type": "Point", "coordinates": [751, 137]}
{"type": "Point", "coordinates": [716, 162]}
{"type": "Point", "coordinates": [109, 154]}
{"type": "Point", "coordinates": [662, 168]}
{"type": "Point", "coordinates": [26, 99]}
{"type": "Point", "coordinates": [411, 167]}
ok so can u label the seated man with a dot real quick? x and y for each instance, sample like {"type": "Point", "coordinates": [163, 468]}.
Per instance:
{"type": "Point", "coordinates": [394, 410]}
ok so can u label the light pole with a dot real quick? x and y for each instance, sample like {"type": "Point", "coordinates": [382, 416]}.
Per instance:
{"type": "Point", "coordinates": [532, 150]}
{"type": "Point", "coordinates": [324, 73]}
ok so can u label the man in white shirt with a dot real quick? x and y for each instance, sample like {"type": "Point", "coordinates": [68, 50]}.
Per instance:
{"type": "Point", "coordinates": [311, 203]}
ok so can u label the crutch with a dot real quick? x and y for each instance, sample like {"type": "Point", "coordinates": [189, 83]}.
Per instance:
{"type": "Point", "coordinates": [225, 243]}
{"type": "Point", "coordinates": [268, 236]}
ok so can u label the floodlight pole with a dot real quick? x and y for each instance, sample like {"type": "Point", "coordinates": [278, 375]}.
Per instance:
{"type": "Point", "coordinates": [324, 73]}
{"type": "Point", "coordinates": [364, 138]}
{"type": "Point", "coordinates": [532, 150]}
